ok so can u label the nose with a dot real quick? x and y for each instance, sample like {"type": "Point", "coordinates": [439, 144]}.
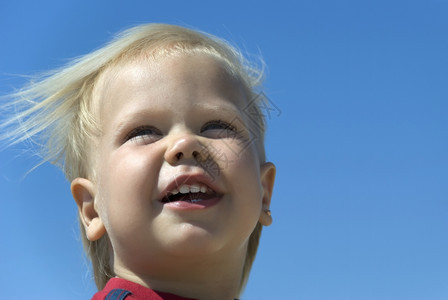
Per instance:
{"type": "Point", "coordinates": [183, 148]}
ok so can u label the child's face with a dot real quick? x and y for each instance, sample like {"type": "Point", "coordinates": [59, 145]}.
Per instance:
{"type": "Point", "coordinates": [170, 126]}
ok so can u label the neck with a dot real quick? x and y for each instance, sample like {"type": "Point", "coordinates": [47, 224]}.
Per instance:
{"type": "Point", "coordinates": [212, 278]}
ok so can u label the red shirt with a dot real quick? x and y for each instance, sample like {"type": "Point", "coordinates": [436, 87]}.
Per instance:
{"type": "Point", "coordinates": [119, 289]}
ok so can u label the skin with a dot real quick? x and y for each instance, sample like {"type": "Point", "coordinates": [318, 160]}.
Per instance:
{"type": "Point", "coordinates": [178, 100]}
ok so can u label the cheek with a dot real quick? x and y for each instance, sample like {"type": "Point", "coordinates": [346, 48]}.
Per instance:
{"type": "Point", "coordinates": [244, 176]}
{"type": "Point", "coordinates": [244, 172]}
{"type": "Point", "coordinates": [126, 185]}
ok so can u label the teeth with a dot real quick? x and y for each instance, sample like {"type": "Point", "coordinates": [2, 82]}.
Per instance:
{"type": "Point", "coordinates": [195, 188]}
{"type": "Point", "coordinates": [185, 189]}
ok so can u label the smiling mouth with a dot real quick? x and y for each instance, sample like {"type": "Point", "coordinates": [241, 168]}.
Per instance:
{"type": "Point", "coordinates": [190, 193]}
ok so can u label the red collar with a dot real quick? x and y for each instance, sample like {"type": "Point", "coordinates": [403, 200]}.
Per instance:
{"type": "Point", "coordinates": [133, 291]}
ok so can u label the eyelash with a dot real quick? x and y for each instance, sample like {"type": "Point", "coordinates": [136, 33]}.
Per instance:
{"type": "Point", "coordinates": [141, 132]}
{"type": "Point", "coordinates": [223, 125]}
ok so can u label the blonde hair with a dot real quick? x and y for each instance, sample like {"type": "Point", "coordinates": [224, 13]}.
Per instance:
{"type": "Point", "coordinates": [55, 112]}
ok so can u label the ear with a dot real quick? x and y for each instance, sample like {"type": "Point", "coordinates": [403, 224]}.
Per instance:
{"type": "Point", "coordinates": [83, 191]}
{"type": "Point", "coordinates": [267, 181]}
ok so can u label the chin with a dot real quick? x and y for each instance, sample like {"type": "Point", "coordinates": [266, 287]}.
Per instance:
{"type": "Point", "coordinates": [194, 240]}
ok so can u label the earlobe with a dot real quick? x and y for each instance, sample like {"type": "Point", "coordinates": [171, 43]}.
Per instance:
{"type": "Point", "coordinates": [267, 182]}
{"type": "Point", "coordinates": [83, 192]}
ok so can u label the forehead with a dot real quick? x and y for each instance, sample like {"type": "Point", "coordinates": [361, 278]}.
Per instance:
{"type": "Point", "coordinates": [176, 76]}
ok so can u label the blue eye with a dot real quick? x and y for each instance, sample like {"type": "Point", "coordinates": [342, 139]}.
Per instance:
{"type": "Point", "coordinates": [218, 125]}
{"type": "Point", "coordinates": [218, 129]}
{"type": "Point", "coordinates": [143, 135]}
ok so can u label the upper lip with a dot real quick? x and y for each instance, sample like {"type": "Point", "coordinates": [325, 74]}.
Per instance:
{"type": "Point", "coordinates": [189, 179]}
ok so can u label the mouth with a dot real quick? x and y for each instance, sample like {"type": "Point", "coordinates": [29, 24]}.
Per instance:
{"type": "Point", "coordinates": [191, 191]}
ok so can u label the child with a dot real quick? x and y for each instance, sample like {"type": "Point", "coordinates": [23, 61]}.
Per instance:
{"type": "Point", "coordinates": [161, 135]}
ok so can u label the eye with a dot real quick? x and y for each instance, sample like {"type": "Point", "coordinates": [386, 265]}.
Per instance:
{"type": "Point", "coordinates": [218, 125]}
{"type": "Point", "coordinates": [218, 129]}
{"type": "Point", "coordinates": [143, 135]}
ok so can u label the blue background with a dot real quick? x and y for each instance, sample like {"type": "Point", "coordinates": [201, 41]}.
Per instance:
{"type": "Point", "coordinates": [361, 143]}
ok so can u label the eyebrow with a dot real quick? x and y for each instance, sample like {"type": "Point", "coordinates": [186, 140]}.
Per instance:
{"type": "Point", "coordinates": [228, 111]}
{"type": "Point", "coordinates": [126, 121]}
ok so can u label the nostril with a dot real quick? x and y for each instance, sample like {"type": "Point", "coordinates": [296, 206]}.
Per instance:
{"type": "Point", "coordinates": [179, 155]}
{"type": "Point", "coordinates": [196, 154]}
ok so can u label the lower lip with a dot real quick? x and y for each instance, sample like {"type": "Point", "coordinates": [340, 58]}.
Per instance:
{"type": "Point", "coordinates": [186, 205]}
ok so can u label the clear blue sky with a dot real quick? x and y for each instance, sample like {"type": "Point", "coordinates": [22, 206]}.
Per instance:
{"type": "Point", "coordinates": [361, 144]}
